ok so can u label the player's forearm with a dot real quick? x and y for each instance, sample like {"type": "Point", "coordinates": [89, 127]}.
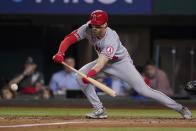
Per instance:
{"type": "Point", "coordinates": [101, 62]}
{"type": "Point", "coordinates": [68, 41]}
{"type": "Point", "coordinates": [98, 67]}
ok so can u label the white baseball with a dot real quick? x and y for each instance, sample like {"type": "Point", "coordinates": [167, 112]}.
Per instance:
{"type": "Point", "coordinates": [14, 87]}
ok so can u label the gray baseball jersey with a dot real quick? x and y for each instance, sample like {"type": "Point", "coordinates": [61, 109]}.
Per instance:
{"type": "Point", "coordinates": [122, 67]}
{"type": "Point", "coordinates": [110, 45]}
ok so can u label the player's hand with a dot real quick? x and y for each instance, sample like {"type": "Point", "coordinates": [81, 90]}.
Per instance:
{"type": "Point", "coordinates": [58, 57]}
{"type": "Point", "coordinates": [91, 73]}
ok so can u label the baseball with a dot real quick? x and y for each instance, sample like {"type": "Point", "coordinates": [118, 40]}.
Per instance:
{"type": "Point", "coordinates": [14, 87]}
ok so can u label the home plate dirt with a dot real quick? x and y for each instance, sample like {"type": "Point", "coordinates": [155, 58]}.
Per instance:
{"type": "Point", "coordinates": [33, 123]}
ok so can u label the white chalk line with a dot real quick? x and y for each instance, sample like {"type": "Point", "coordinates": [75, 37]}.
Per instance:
{"type": "Point", "coordinates": [42, 124]}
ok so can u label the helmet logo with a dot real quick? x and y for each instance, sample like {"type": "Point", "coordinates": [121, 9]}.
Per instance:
{"type": "Point", "coordinates": [94, 17]}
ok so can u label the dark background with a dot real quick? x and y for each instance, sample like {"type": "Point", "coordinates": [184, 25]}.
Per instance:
{"type": "Point", "coordinates": [172, 25]}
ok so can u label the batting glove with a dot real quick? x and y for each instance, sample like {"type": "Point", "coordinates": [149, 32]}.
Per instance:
{"type": "Point", "coordinates": [91, 73]}
{"type": "Point", "coordinates": [59, 57]}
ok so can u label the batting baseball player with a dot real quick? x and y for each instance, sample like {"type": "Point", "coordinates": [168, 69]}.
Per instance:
{"type": "Point", "coordinates": [113, 58]}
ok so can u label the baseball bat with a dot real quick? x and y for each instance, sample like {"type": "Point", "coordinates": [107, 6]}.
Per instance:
{"type": "Point", "coordinates": [99, 85]}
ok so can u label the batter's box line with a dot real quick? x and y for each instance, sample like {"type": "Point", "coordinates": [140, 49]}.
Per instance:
{"type": "Point", "coordinates": [42, 124]}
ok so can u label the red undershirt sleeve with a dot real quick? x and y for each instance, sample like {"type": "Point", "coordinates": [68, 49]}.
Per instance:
{"type": "Point", "coordinates": [68, 41]}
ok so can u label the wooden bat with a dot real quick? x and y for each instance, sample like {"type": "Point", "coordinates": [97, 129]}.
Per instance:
{"type": "Point", "coordinates": [99, 85]}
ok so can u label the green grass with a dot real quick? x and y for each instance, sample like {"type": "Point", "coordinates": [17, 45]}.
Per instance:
{"type": "Point", "coordinates": [20, 111]}
{"type": "Point", "coordinates": [62, 112]}
{"type": "Point", "coordinates": [32, 111]}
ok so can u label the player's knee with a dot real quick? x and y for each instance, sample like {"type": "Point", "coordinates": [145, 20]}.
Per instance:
{"type": "Point", "coordinates": [144, 90]}
{"type": "Point", "coordinates": [79, 80]}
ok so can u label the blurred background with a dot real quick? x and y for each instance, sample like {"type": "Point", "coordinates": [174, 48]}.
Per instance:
{"type": "Point", "coordinates": [160, 30]}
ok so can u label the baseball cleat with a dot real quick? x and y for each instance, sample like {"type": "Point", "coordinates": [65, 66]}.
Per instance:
{"type": "Point", "coordinates": [186, 113]}
{"type": "Point", "coordinates": [97, 114]}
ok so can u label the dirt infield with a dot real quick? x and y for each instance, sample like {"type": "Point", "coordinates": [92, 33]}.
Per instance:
{"type": "Point", "coordinates": [40, 123]}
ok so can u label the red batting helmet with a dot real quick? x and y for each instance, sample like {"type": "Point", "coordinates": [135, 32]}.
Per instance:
{"type": "Point", "coordinates": [98, 17]}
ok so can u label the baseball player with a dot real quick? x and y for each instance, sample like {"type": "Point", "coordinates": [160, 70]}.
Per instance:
{"type": "Point", "coordinates": [113, 58]}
